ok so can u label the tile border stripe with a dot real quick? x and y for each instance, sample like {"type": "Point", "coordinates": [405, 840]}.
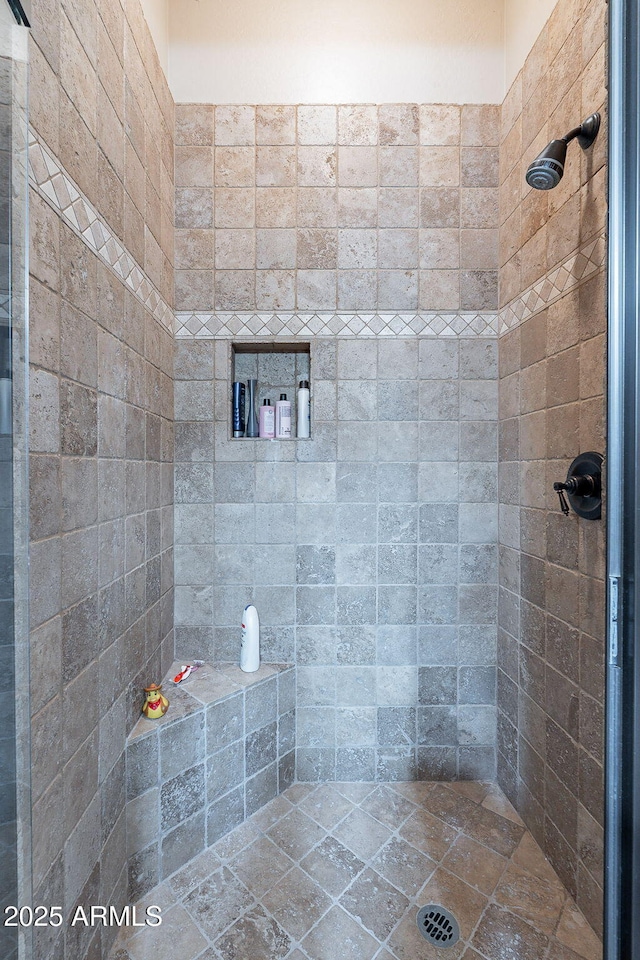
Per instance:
{"type": "Point", "coordinates": [222, 326]}
{"type": "Point", "coordinates": [588, 260]}
{"type": "Point", "coordinates": [55, 186]}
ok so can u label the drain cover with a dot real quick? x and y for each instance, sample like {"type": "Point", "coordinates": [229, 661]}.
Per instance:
{"type": "Point", "coordinates": [438, 925]}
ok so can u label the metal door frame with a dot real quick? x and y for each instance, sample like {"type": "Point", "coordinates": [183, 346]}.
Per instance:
{"type": "Point", "coordinates": [622, 766]}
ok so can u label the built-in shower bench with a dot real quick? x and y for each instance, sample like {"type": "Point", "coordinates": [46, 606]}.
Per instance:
{"type": "Point", "coordinates": [224, 748]}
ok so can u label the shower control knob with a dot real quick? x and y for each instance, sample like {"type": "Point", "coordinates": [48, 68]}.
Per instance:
{"type": "Point", "coordinates": [583, 487]}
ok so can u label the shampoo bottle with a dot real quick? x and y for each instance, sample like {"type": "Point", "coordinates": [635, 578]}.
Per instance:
{"type": "Point", "coordinates": [250, 646]}
{"type": "Point", "coordinates": [283, 417]}
{"type": "Point", "coordinates": [267, 420]}
{"type": "Point", "coordinates": [252, 419]}
{"type": "Point", "coordinates": [238, 409]}
{"type": "Point", "coordinates": [304, 409]}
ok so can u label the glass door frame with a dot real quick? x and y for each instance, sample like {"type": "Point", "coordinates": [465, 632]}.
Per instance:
{"type": "Point", "coordinates": [622, 717]}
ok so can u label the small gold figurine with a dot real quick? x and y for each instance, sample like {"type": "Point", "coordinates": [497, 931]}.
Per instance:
{"type": "Point", "coordinates": [155, 704]}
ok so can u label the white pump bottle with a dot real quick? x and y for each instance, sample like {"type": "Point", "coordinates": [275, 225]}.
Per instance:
{"type": "Point", "coordinates": [250, 646]}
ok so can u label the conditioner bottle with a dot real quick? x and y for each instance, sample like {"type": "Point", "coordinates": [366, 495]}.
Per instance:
{"type": "Point", "coordinates": [283, 418]}
{"type": "Point", "coordinates": [250, 646]}
{"type": "Point", "coordinates": [267, 420]}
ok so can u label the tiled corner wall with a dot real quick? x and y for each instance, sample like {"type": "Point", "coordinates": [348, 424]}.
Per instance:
{"type": "Point", "coordinates": [552, 367]}
{"type": "Point", "coordinates": [347, 208]}
{"type": "Point", "coordinates": [369, 550]}
{"type": "Point", "coordinates": [101, 443]}
{"type": "Point", "coordinates": [224, 748]}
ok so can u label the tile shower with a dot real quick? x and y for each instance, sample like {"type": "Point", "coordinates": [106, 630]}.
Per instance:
{"type": "Point", "coordinates": [395, 557]}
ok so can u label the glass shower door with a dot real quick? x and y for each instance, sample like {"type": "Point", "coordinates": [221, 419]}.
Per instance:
{"type": "Point", "coordinates": [15, 854]}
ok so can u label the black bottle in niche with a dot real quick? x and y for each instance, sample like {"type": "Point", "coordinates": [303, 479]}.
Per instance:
{"type": "Point", "coordinates": [253, 428]}
{"type": "Point", "coordinates": [238, 409]}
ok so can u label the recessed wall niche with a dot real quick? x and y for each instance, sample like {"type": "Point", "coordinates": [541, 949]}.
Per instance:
{"type": "Point", "coordinates": [278, 368]}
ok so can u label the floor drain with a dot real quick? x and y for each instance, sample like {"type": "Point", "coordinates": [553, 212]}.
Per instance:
{"type": "Point", "coordinates": [438, 925]}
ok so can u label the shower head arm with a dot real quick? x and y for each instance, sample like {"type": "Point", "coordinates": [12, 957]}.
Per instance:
{"type": "Point", "coordinates": [576, 132]}
{"type": "Point", "coordinates": [586, 132]}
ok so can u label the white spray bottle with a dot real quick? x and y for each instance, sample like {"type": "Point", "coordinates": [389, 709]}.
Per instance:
{"type": "Point", "coordinates": [250, 646]}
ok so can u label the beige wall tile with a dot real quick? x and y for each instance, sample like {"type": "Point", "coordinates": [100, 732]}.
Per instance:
{"type": "Point", "coordinates": [109, 69]}
{"type": "Point", "coordinates": [316, 290]}
{"type": "Point", "coordinates": [317, 207]}
{"type": "Point", "coordinates": [43, 97]}
{"type": "Point", "coordinates": [275, 249]}
{"type": "Point", "coordinates": [398, 166]}
{"type": "Point", "coordinates": [235, 126]}
{"type": "Point", "coordinates": [399, 123]}
{"type": "Point", "coordinates": [276, 166]}
{"type": "Point", "coordinates": [194, 208]}
{"type": "Point", "coordinates": [78, 152]}
{"type": "Point", "coordinates": [194, 289]}
{"type": "Point", "coordinates": [479, 249]}
{"type": "Point", "coordinates": [194, 249]}
{"type": "Point", "coordinates": [110, 132]}
{"type": "Point", "coordinates": [592, 367]}
{"type": "Point", "coordinates": [479, 167]}
{"type": "Point", "coordinates": [357, 289]}
{"type": "Point", "coordinates": [357, 249]}
{"type": "Point", "coordinates": [480, 124]}
{"type": "Point", "coordinates": [77, 74]}
{"type": "Point", "coordinates": [439, 249]}
{"type": "Point", "coordinates": [439, 124]}
{"type": "Point", "coordinates": [275, 125]}
{"type": "Point", "coordinates": [594, 29]}
{"type": "Point", "coordinates": [439, 207]}
{"type": "Point", "coordinates": [478, 207]}
{"type": "Point", "coordinates": [235, 249]}
{"type": "Point", "coordinates": [439, 290]}
{"type": "Point", "coordinates": [511, 107]}
{"type": "Point", "coordinates": [357, 207]}
{"type": "Point", "coordinates": [317, 166]}
{"type": "Point", "coordinates": [479, 289]}
{"type": "Point", "coordinates": [357, 125]}
{"type": "Point", "coordinates": [439, 166]}
{"type": "Point", "coordinates": [275, 207]}
{"type": "Point", "coordinates": [398, 289]}
{"type": "Point", "coordinates": [194, 124]}
{"type": "Point", "coordinates": [234, 166]}
{"type": "Point", "coordinates": [275, 290]}
{"type": "Point", "coordinates": [398, 207]}
{"type": "Point", "coordinates": [317, 249]}
{"type": "Point", "coordinates": [535, 113]}
{"type": "Point", "coordinates": [357, 166]}
{"type": "Point", "coordinates": [317, 125]}
{"type": "Point", "coordinates": [535, 67]}
{"type": "Point", "coordinates": [194, 166]}
{"type": "Point", "coordinates": [234, 206]}
{"type": "Point", "coordinates": [398, 249]}
{"type": "Point", "coordinates": [235, 290]}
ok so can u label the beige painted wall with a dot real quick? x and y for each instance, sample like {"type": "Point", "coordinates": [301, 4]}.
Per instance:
{"type": "Point", "coordinates": [326, 51]}
{"type": "Point", "coordinates": [465, 51]}
{"type": "Point", "coordinates": [156, 14]}
{"type": "Point", "coordinates": [523, 21]}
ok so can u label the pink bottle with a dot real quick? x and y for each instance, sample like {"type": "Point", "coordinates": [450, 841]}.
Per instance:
{"type": "Point", "coordinates": [267, 428]}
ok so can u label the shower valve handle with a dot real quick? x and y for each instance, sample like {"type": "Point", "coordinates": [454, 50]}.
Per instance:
{"type": "Point", "coordinates": [564, 506]}
{"type": "Point", "coordinates": [582, 486]}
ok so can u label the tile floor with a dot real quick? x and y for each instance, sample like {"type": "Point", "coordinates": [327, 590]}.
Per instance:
{"type": "Point", "coordinates": [339, 871]}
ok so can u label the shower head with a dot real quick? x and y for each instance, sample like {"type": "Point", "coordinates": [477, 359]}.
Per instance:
{"type": "Point", "coordinates": [546, 170]}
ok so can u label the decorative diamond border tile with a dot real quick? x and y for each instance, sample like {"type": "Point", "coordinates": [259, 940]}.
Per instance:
{"type": "Point", "coordinates": [53, 183]}
{"type": "Point", "coordinates": [573, 271]}
{"type": "Point", "coordinates": [55, 186]}
{"type": "Point", "coordinates": [203, 326]}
